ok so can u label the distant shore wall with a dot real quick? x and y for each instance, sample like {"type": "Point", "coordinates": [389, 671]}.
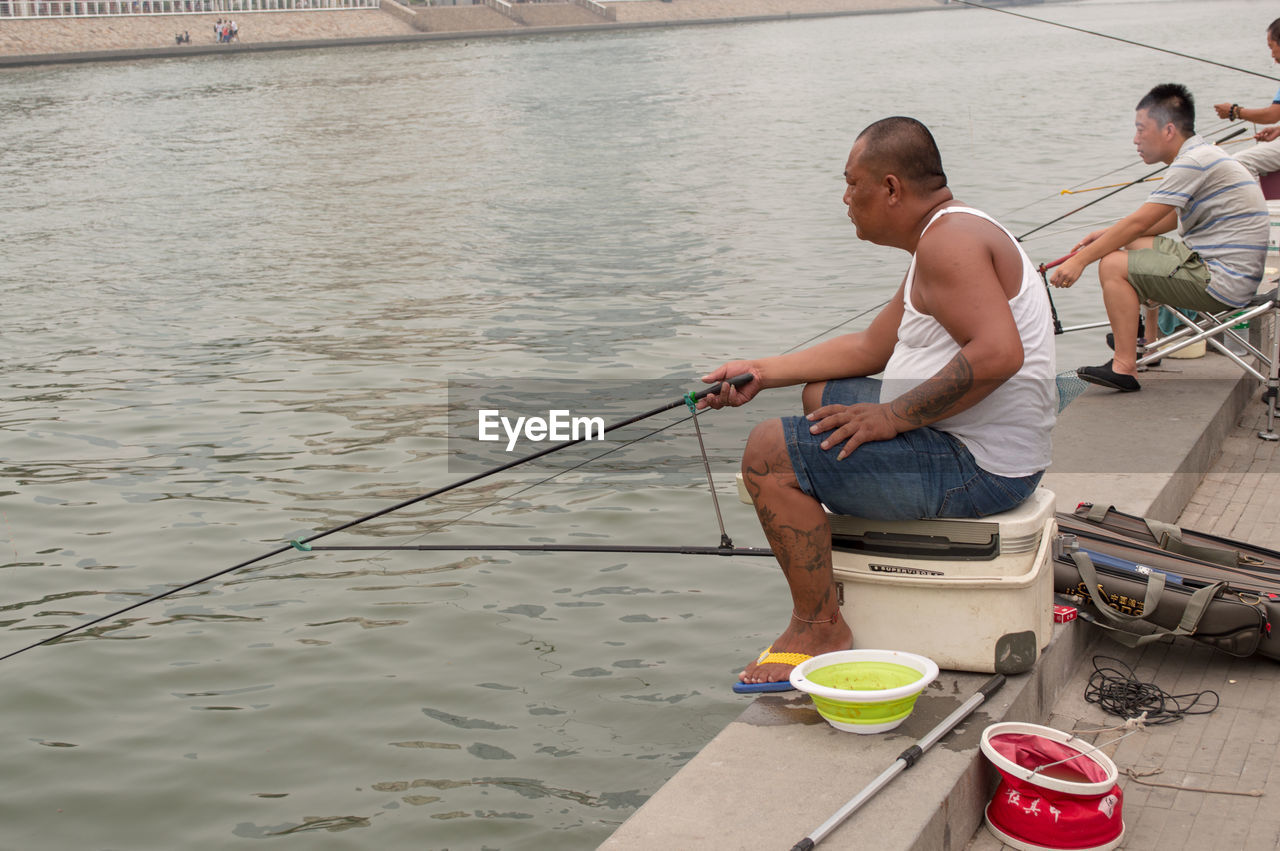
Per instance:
{"type": "Point", "coordinates": [106, 38]}
{"type": "Point", "coordinates": [129, 32]}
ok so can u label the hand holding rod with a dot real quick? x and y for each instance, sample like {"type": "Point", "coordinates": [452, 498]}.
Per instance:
{"type": "Point", "coordinates": [1044, 267]}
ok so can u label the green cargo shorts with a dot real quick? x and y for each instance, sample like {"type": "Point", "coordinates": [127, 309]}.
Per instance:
{"type": "Point", "coordinates": [1171, 273]}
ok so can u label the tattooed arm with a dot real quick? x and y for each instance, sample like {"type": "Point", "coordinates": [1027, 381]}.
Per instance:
{"type": "Point", "coordinates": [934, 399]}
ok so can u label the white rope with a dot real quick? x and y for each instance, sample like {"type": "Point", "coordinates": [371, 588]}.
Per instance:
{"type": "Point", "coordinates": [1134, 725]}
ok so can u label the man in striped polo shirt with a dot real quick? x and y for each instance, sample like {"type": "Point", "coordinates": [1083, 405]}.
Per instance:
{"type": "Point", "coordinates": [1219, 211]}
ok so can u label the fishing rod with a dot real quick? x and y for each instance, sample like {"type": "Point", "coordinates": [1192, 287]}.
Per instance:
{"type": "Point", "coordinates": [1121, 188]}
{"type": "Point", "coordinates": [1107, 186]}
{"type": "Point", "coordinates": [691, 396]}
{"type": "Point", "coordinates": [548, 548]}
{"type": "Point", "coordinates": [1043, 269]}
{"type": "Point", "coordinates": [1117, 38]}
{"type": "Point", "coordinates": [1251, 572]}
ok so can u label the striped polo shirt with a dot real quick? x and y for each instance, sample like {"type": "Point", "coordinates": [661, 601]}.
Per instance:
{"type": "Point", "coordinates": [1222, 216]}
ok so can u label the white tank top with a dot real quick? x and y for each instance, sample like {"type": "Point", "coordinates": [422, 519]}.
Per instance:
{"type": "Point", "coordinates": [1008, 431]}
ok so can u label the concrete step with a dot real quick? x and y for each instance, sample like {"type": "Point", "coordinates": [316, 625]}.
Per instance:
{"type": "Point", "coordinates": [554, 14]}
{"type": "Point", "coordinates": [779, 771]}
{"type": "Point", "coordinates": [460, 18]}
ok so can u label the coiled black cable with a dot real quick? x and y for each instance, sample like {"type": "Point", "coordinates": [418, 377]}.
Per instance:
{"type": "Point", "coordinates": [1118, 691]}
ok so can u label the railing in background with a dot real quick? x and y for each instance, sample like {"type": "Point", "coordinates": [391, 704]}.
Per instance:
{"type": "Point", "coordinates": [96, 8]}
{"type": "Point", "coordinates": [501, 5]}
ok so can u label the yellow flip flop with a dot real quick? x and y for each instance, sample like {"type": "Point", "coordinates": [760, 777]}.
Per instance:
{"type": "Point", "coordinates": [768, 657]}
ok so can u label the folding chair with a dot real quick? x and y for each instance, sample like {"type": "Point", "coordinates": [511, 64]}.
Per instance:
{"type": "Point", "coordinates": [1261, 347]}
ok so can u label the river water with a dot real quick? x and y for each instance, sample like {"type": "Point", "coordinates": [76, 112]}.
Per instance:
{"type": "Point", "coordinates": [236, 292]}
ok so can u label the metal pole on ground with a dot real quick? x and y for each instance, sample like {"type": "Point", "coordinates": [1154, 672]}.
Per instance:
{"type": "Point", "coordinates": [904, 761]}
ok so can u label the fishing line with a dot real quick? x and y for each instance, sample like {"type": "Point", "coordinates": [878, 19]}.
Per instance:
{"type": "Point", "coordinates": [540, 482]}
{"type": "Point", "coordinates": [726, 545]}
{"type": "Point", "coordinates": [616, 448]}
{"type": "Point", "coordinates": [725, 541]}
{"type": "Point", "coordinates": [1214, 129]}
{"type": "Point", "coordinates": [549, 478]}
{"type": "Point", "coordinates": [1076, 228]}
{"type": "Point", "coordinates": [1223, 124]}
{"type": "Point", "coordinates": [1119, 39]}
{"type": "Point", "coordinates": [721, 550]}
{"type": "Point", "coordinates": [1077, 190]}
{"type": "Point", "coordinates": [839, 325]}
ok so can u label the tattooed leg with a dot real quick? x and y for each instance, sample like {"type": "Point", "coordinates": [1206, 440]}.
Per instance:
{"type": "Point", "coordinates": [800, 536]}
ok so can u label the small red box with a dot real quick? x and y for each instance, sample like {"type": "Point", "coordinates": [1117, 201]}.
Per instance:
{"type": "Point", "coordinates": [1062, 614]}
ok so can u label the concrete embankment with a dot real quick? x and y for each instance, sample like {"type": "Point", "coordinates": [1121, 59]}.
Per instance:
{"type": "Point", "coordinates": [55, 40]}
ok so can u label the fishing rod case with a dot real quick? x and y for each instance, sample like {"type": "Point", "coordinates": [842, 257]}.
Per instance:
{"type": "Point", "coordinates": [972, 595]}
{"type": "Point", "coordinates": [1143, 580]}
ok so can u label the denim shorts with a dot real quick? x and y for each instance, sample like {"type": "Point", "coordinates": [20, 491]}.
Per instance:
{"type": "Point", "coordinates": [919, 474]}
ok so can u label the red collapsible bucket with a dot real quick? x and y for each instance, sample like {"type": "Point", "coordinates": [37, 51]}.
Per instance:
{"type": "Point", "coordinates": [1044, 803]}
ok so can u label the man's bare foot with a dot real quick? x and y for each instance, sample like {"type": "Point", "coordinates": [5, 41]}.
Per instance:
{"type": "Point", "coordinates": [809, 639]}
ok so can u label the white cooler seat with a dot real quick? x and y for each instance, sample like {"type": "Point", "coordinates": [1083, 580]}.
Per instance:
{"type": "Point", "coordinates": [972, 595]}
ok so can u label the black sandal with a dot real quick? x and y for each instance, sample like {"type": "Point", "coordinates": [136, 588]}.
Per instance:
{"type": "Point", "coordinates": [1105, 376]}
